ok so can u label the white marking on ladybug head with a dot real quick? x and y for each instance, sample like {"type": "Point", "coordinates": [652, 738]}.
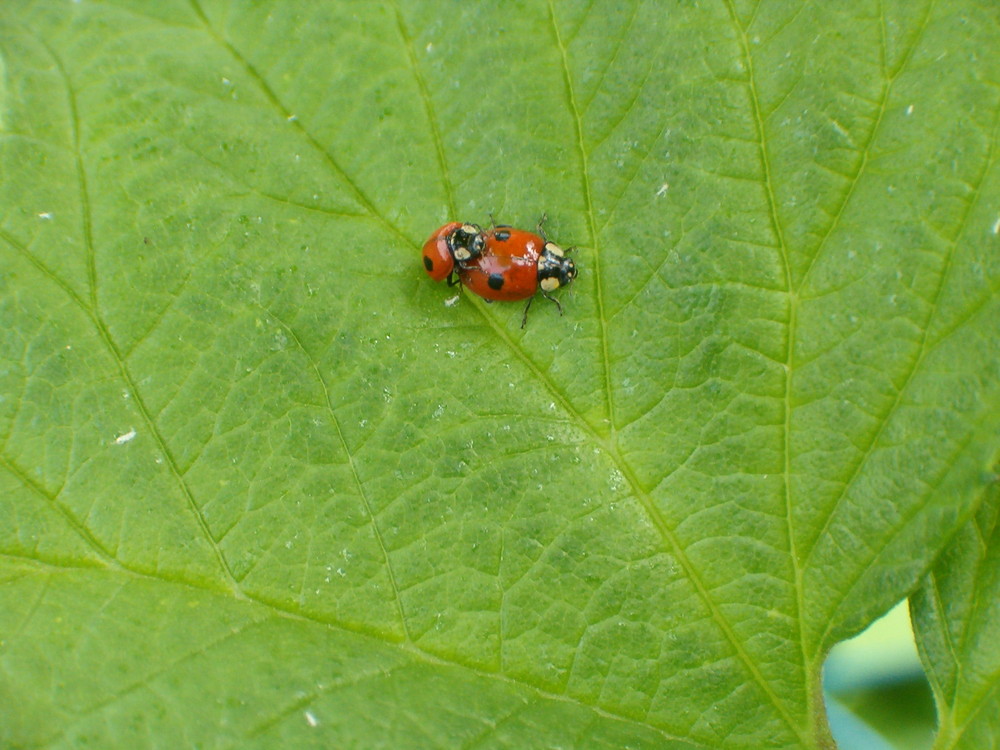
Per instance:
{"type": "Point", "coordinates": [549, 284]}
{"type": "Point", "coordinates": [554, 249]}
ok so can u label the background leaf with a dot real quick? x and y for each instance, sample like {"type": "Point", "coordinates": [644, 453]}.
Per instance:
{"type": "Point", "coordinates": [957, 622]}
{"type": "Point", "coordinates": [260, 486]}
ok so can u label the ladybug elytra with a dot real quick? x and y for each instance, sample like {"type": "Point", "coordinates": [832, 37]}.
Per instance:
{"type": "Point", "coordinates": [454, 243]}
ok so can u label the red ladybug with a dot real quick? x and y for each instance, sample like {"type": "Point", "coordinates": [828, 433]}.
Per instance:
{"type": "Point", "coordinates": [454, 243]}
{"type": "Point", "coordinates": [515, 264]}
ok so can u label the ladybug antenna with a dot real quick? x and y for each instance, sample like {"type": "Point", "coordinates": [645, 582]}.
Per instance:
{"type": "Point", "coordinates": [541, 221]}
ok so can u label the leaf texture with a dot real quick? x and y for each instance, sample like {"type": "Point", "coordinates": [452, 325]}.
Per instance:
{"type": "Point", "coordinates": [259, 485]}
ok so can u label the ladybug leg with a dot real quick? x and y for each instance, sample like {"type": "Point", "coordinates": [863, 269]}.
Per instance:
{"type": "Point", "coordinates": [524, 318]}
{"type": "Point", "coordinates": [494, 226]}
{"type": "Point", "coordinates": [541, 231]}
{"type": "Point", "coordinates": [550, 297]}
{"type": "Point", "coordinates": [453, 279]}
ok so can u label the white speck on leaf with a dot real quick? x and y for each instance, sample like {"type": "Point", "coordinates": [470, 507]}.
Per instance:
{"type": "Point", "coordinates": [909, 110]}
{"type": "Point", "coordinates": [996, 226]}
{"type": "Point", "coordinates": [616, 480]}
{"type": "Point", "coordinates": [293, 118]}
{"type": "Point", "coordinates": [663, 189]}
{"type": "Point", "coordinates": [47, 215]}
{"type": "Point", "coordinates": [451, 301]}
{"type": "Point", "coordinates": [125, 438]}
{"type": "Point", "coordinates": [311, 719]}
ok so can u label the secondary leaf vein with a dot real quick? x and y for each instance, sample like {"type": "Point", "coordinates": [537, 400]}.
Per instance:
{"type": "Point", "coordinates": [354, 470]}
{"type": "Point", "coordinates": [922, 351]}
{"type": "Point", "coordinates": [272, 97]}
{"type": "Point", "coordinates": [591, 222]}
{"type": "Point", "coordinates": [425, 98]}
{"type": "Point", "coordinates": [772, 205]}
{"type": "Point", "coordinates": [93, 313]}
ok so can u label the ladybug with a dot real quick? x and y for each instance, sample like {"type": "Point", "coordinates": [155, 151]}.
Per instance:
{"type": "Point", "coordinates": [515, 264]}
{"type": "Point", "coordinates": [456, 243]}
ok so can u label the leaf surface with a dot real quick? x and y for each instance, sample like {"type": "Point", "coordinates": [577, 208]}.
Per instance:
{"type": "Point", "coordinates": [957, 622]}
{"type": "Point", "coordinates": [260, 485]}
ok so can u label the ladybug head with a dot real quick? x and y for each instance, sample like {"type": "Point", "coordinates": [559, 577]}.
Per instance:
{"type": "Point", "coordinates": [466, 243]}
{"type": "Point", "coordinates": [554, 268]}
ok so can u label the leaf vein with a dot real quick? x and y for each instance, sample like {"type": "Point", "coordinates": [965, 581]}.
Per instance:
{"type": "Point", "coordinates": [284, 112]}
{"type": "Point", "coordinates": [71, 520]}
{"type": "Point", "coordinates": [759, 124]}
{"type": "Point", "coordinates": [591, 222]}
{"type": "Point", "coordinates": [105, 334]}
{"type": "Point", "coordinates": [889, 78]}
{"type": "Point", "coordinates": [425, 98]}
{"type": "Point", "coordinates": [354, 470]}
{"type": "Point", "coordinates": [922, 351]}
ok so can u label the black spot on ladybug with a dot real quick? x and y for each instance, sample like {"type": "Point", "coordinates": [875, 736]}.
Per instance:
{"type": "Point", "coordinates": [495, 281]}
{"type": "Point", "coordinates": [502, 237]}
{"type": "Point", "coordinates": [428, 264]}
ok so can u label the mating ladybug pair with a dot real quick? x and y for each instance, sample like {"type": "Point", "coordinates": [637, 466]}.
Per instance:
{"type": "Point", "coordinates": [501, 263]}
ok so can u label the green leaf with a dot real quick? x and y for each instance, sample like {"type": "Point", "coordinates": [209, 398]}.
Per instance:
{"type": "Point", "coordinates": [261, 486]}
{"type": "Point", "coordinates": [957, 623]}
